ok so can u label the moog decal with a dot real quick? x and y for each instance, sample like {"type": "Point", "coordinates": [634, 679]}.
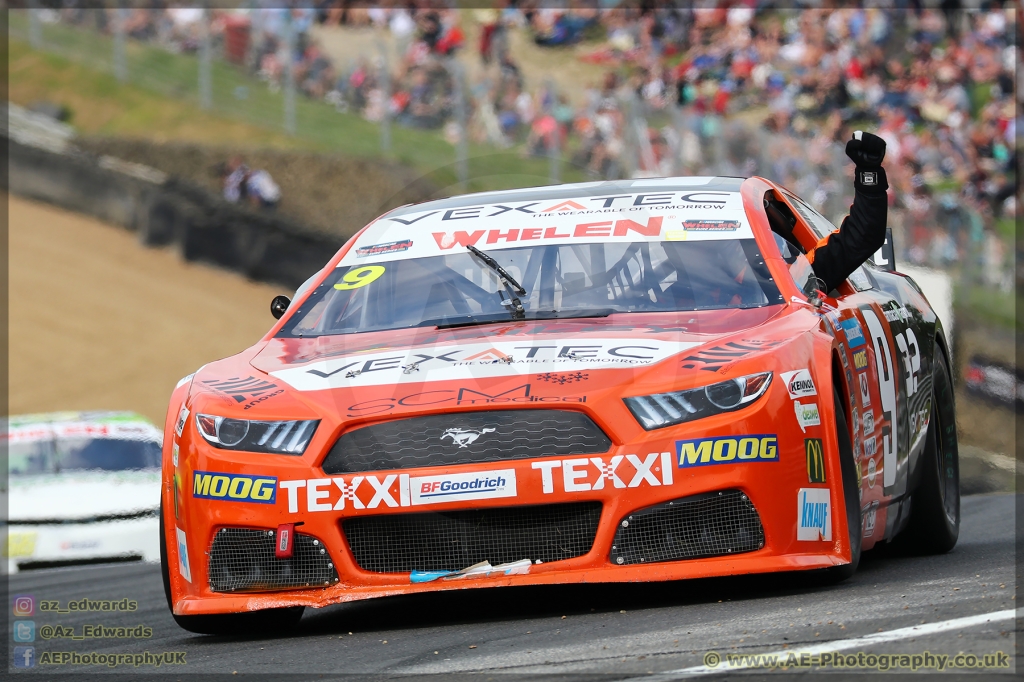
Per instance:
{"type": "Point", "coordinates": [728, 450]}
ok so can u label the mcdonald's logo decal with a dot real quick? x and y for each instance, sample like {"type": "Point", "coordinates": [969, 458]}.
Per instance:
{"type": "Point", "coordinates": [815, 452]}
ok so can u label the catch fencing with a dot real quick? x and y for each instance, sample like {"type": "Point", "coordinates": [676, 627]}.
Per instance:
{"type": "Point", "coordinates": [220, 69]}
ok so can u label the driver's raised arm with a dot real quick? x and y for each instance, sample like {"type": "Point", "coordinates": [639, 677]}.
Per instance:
{"type": "Point", "coordinates": [863, 231]}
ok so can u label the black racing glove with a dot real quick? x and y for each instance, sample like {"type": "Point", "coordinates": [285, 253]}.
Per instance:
{"type": "Point", "coordinates": [868, 151]}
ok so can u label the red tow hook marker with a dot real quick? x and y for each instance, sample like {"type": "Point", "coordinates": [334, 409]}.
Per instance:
{"type": "Point", "coordinates": [284, 546]}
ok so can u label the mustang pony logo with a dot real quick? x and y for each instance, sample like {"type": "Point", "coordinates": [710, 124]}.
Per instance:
{"type": "Point", "coordinates": [464, 437]}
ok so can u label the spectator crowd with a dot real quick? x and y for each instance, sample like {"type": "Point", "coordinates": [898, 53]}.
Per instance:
{"type": "Point", "coordinates": [743, 87]}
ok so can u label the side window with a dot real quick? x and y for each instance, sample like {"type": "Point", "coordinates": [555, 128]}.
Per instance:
{"type": "Point", "coordinates": [801, 271]}
{"type": "Point", "coordinates": [820, 224]}
{"type": "Point", "coordinates": [304, 287]}
{"type": "Point", "coordinates": [860, 280]}
{"type": "Point", "coordinates": [782, 221]}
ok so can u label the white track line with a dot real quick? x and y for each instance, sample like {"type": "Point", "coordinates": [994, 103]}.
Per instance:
{"type": "Point", "coordinates": [839, 645]}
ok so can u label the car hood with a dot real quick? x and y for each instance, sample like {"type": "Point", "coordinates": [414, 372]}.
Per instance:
{"type": "Point", "coordinates": [417, 356]}
{"type": "Point", "coordinates": [82, 495]}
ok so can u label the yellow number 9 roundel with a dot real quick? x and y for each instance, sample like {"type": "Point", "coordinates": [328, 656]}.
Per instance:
{"type": "Point", "coordinates": [360, 277]}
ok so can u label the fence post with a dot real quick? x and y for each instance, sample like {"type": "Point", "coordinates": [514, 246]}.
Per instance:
{"type": "Point", "coordinates": [462, 147]}
{"type": "Point", "coordinates": [555, 141]}
{"type": "Point", "coordinates": [678, 125]}
{"type": "Point", "coordinates": [35, 38]}
{"type": "Point", "coordinates": [255, 34]}
{"type": "Point", "coordinates": [120, 67]}
{"type": "Point", "coordinates": [205, 84]}
{"type": "Point", "coordinates": [289, 74]}
{"type": "Point", "coordinates": [385, 78]}
{"type": "Point", "coordinates": [636, 147]}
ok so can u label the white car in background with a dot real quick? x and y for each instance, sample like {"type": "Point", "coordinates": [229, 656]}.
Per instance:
{"type": "Point", "coordinates": [83, 487]}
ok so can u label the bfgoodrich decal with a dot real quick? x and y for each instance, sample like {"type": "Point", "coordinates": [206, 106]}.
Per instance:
{"type": "Point", "coordinates": [395, 490]}
{"type": "Point", "coordinates": [478, 360]}
{"type": "Point", "coordinates": [480, 485]}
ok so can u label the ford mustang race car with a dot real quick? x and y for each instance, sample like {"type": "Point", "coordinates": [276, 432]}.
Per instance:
{"type": "Point", "coordinates": [601, 382]}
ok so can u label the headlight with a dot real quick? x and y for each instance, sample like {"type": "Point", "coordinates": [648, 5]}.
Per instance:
{"type": "Point", "coordinates": [666, 409]}
{"type": "Point", "coordinates": [281, 437]}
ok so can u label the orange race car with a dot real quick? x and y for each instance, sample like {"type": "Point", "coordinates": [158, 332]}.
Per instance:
{"type": "Point", "coordinates": [613, 381]}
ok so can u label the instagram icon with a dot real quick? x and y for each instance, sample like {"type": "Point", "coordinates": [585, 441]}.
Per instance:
{"type": "Point", "coordinates": [24, 605]}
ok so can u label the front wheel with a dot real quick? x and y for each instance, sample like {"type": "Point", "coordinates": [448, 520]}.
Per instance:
{"type": "Point", "coordinates": [267, 621]}
{"type": "Point", "coordinates": [934, 524]}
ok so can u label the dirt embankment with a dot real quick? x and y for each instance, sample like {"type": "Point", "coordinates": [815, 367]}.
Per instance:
{"type": "Point", "coordinates": [99, 322]}
{"type": "Point", "coordinates": [330, 193]}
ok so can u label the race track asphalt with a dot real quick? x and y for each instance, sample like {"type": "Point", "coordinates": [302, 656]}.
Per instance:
{"type": "Point", "coordinates": [657, 631]}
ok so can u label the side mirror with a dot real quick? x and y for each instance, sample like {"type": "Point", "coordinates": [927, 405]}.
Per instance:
{"type": "Point", "coordinates": [814, 289]}
{"type": "Point", "coordinates": [279, 305]}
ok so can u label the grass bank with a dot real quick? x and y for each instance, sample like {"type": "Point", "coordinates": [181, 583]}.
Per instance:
{"type": "Point", "coordinates": [159, 102]}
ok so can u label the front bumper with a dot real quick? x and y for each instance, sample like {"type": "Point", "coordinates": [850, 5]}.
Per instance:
{"type": "Point", "coordinates": [623, 481]}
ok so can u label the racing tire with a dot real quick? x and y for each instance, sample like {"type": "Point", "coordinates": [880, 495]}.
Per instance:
{"type": "Point", "coordinates": [851, 497]}
{"type": "Point", "coordinates": [266, 622]}
{"type": "Point", "coordinates": [934, 524]}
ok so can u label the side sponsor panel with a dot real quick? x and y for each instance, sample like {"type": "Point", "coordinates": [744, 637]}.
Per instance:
{"type": "Point", "coordinates": [727, 450]}
{"type": "Point", "coordinates": [814, 514]}
{"type": "Point", "coordinates": [482, 485]}
{"type": "Point", "coordinates": [212, 485]}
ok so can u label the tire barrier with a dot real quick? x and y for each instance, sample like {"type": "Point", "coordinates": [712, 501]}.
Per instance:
{"type": "Point", "coordinates": [169, 211]}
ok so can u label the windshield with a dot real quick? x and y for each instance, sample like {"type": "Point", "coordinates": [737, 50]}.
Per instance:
{"type": "Point", "coordinates": [568, 280]}
{"type": "Point", "coordinates": [81, 454]}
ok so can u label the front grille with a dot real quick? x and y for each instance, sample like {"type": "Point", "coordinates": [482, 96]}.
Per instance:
{"type": "Point", "coordinates": [713, 524]}
{"type": "Point", "coordinates": [242, 559]}
{"type": "Point", "coordinates": [465, 438]}
{"type": "Point", "coordinates": [450, 541]}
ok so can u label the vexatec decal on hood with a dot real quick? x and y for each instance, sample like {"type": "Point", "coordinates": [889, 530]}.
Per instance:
{"type": "Point", "coordinates": [455, 361]}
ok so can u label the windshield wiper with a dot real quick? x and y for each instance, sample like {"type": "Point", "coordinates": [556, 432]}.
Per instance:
{"type": "Point", "coordinates": [507, 281]}
{"type": "Point", "coordinates": [473, 320]}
